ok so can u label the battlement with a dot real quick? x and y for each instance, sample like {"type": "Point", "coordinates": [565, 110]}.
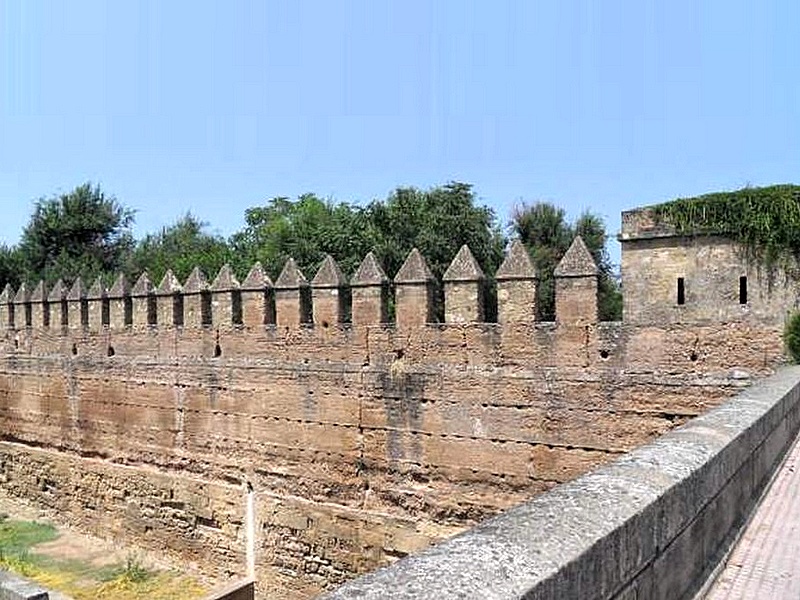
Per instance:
{"type": "Point", "coordinates": [294, 302]}
{"type": "Point", "coordinates": [641, 223]}
{"type": "Point", "coordinates": [345, 438]}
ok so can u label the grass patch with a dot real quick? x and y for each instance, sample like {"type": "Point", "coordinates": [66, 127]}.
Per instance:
{"type": "Point", "coordinates": [80, 579]}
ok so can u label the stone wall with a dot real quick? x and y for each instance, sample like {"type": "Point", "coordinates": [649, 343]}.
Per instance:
{"type": "Point", "coordinates": [357, 443]}
{"type": "Point", "coordinates": [651, 525]}
{"type": "Point", "coordinates": [713, 270]}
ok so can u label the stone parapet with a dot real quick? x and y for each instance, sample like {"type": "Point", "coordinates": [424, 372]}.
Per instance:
{"type": "Point", "coordinates": [652, 524]}
{"type": "Point", "coordinates": [370, 293]}
{"type": "Point", "coordinates": [292, 297]}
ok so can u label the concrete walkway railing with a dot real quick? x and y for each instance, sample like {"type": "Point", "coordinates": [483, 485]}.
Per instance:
{"type": "Point", "coordinates": [651, 525]}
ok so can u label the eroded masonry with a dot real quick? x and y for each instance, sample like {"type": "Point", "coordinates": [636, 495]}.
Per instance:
{"type": "Point", "coordinates": [245, 426]}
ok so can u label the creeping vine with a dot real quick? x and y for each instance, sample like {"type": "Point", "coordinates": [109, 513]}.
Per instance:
{"type": "Point", "coordinates": [765, 221]}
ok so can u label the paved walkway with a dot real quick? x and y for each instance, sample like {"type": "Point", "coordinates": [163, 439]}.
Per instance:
{"type": "Point", "coordinates": [765, 564]}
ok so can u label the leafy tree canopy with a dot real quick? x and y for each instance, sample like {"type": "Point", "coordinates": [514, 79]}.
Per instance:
{"type": "Point", "coordinates": [547, 234]}
{"type": "Point", "coordinates": [764, 220]}
{"type": "Point", "coordinates": [180, 247]}
{"type": "Point", "coordinates": [81, 233]}
{"type": "Point", "coordinates": [10, 267]}
{"type": "Point", "coordinates": [438, 222]}
{"type": "Point", "coordinates": [305, 230]}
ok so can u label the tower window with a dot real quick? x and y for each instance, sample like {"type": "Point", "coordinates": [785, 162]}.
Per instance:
{"type": "Point", "coordinates": [743, 290]}
{"type": "Point", "coordinates": [681, 291]}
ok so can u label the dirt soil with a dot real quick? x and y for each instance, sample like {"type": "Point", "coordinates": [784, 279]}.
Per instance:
{"type": "Point", "coordinates": [94, 556]}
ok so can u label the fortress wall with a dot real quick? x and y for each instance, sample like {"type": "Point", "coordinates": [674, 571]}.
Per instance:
{"type": "Point", "coordinates": [360, 443]}
{"type": "Point", "coordinates": [653, 524]}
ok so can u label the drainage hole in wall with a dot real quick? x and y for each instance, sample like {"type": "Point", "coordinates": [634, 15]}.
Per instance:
{"type": "Point", "coordinates": [74, 349]}
{"type": "Point", "coordinates": [325, 324]}
{"type": "Point", "coordinates": [693, 357]}
{"type": "Point", "coordinates": [217, 351]}
{"type": "Point", "coordinates": [604, 354]}
{"type": "Point", "coordinates": [110, 351]}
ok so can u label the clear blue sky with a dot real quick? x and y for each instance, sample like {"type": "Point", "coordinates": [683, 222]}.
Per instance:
{"type": "Point", "coordinates": [214, 107]}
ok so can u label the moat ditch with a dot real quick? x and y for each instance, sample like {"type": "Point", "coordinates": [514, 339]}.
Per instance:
{"type": "Point", "coordinates": [80, 567]}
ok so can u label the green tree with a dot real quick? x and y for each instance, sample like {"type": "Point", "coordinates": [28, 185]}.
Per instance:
{"type": "Point", "coordinates": [10, 267]}
{"type": "Point", "coordinates": [81, 233]}
{"type": "Point", "coordinates": [180, 247]}
{"type": "Point", "coordinates": [544, 229]}
{"type": "Point", "coordinates": [438, 222]}
{"type": "Point", "coordinates": [306, 230]}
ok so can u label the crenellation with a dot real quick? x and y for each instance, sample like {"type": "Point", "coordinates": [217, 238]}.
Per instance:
{"type": "Point", "coordinates": [516, 286]}
{"type": "Point", "coordinates": [258, 300]}
{"type": "Point", "coordinates": [576, 286]}
{"type": "Point", "coordinates": [196, 300]}
{"type": "Point", "coordinates": [58, 305]}
{"type": "Point", "coordinates": [328, 294]}
{"type": "Point", "coordinates": [354, 444]}
{"type": "Point", "coordinates": [120, 305]}
{"type": "Point", "coordinates": [22, 307]}
{"type": "Point", "coordinates": [97, 306]}
{"type": "Point", "coordinates": [169, 301]}
{"type": "Point", "coordinates": [464, 291]}
{"type": "Point", "coordinates": [370, 293]}
{"type": "Point", "coordinates": [40, 309]}
{"type": "Point", "coordinates": [7, 307]}
{"type": "Point", "coordinates": [143, 303]}
{"type": "Point", "coordinates": [414, 293]}
{"type": "Point", "coordinates": [292, 297]}
{"type": "Point", "coordinates": [77, 306]}
{"type": "Point", "coordinates": [226, 299]}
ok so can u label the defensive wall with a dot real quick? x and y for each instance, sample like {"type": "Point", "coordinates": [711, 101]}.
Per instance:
{"type": "Point", "coordinates": [247, 428]}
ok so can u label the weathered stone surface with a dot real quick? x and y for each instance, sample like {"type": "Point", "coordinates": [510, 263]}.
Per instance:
{"type": "Point", "coordinates": [196, 300]}
{"type": "Point", "coordinates": [370, 293]}
{"type": "Point", "coordinates": [98, 305]}
{"type": "Point", "coordinates": [7, 308]}
{"type": "Point", "coordinates": [577, 262]}
{"type": "Point", "coordinates": [169, 284]}
{"type": "Point", "coordinates": [414, 293]}
{"type": "Point", "coordinates": [97, 291]}
{"type": "Point", "coordinates": [517, 264]}
{"type": "Point", "coordinates": [143, 303]}
{"type": "Point", "coordinates": [121, 287]}
{"type": "Point", "coordinates": [59, 292]}
{"type": "Point", "coordinates": [329, 275]}
{"type": "Point", "coordinates": [120, 304]}
{"type": "Point", "coordinates": [196, 282]}
{"type": "Point", "coordinates": [464, 267]}
{"type": "Point", "coordinates": [143, 285]}
{"type": "Point", "coordinates": [7, 295]}
{"type": "Point", "coordinates": [39, 294]}
{"type": "Point", "coordinates": [414, 269]}
{"type": "Point", "coordinates": [463, 289]}
{"type": "Point", "coordinates": [648, 523]}
{"type": "Point", "coordinates": [369, 273]}
{"type": "Point", "coordinates": [226, 280]}
{"type": "Point", "coordinates": [169, 301]}
{"type": "Point", "coordinates": [77, 307]}
{"type": "Point", "coordinates": [77, 291]}
{"type": "Point", "coordinates": [576, 286]}
{"type": "Point", "coordinates": [226, 298]}
{"type": "Point", "coordinates": [292, 298]}
{"type": "Point", "coordinates": [291, 277]}
{"type": "Point", "coordinates": [40, 309]}
{"type": "Point", "coordinates": [257, 303]}
{"type": "Point", "coordinates": [13, 587]}
{"type": "Point", "coordinates": [327, 294]}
